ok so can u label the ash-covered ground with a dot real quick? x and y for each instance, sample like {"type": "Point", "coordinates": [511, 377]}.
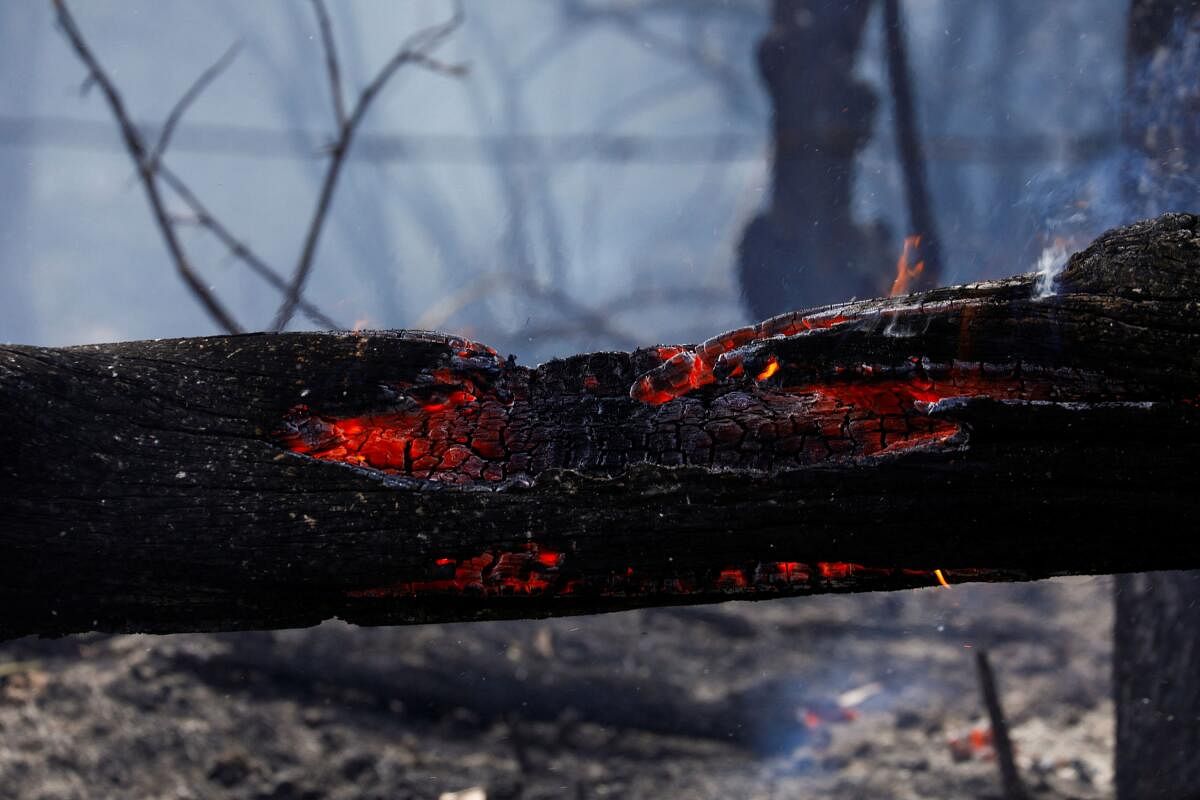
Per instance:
{"type": "Point", "coordinates": [859, 696]}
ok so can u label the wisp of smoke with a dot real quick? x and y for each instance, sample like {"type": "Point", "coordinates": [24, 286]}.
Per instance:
{"type": "Point", "coordinates": [1049, 264]}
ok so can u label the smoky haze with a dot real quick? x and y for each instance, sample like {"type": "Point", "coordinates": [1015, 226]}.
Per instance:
{"type": "Point", "coordinates": [603, 157]}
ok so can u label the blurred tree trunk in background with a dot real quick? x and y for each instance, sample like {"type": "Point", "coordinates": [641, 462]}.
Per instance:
{"type": "Point", "coordinates": [1161, 121]}
{"type": "Point", "coordinates": [1157, 635]}
{"type": "Point", "coordinates": [805, 249]}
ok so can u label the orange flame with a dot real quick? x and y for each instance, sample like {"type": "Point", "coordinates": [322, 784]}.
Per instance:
{"type": "Point", "coordinates": [771, 368]}
{"type": "Point", "coordinates": [941, 578]}
{"type": "Point", "coordinates": [905, 275]}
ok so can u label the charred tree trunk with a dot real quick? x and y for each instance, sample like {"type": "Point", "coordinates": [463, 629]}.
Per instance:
{"type": "Point", "coordinates": [983, 432]}
{"type": "Point", "coordinates": [1157, 621]}
{"type": "Point", "coordinates": [805, 248]}
{"type": "Point", "coordinates": [1156, 649]}
{"type": "Point", "coordinates": [1159, 122]}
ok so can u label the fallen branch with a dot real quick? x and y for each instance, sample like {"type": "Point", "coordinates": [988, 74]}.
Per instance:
{"type": "Point", "coordinates": [278, 480]}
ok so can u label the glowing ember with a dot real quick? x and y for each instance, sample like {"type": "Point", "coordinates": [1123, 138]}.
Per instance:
{"type": "Point", "coordinates": [814, 716]}
{"type": "Point", "coordinates": [537, 571]}
{"type": "Point", "coordinates": [906, 275]}
{"type": "Point", "coordinates": [836, 570]}
{"type": "Point", "coordinates": [731, 579]}
{"type": "Point", "coordinates": [771, 368]}
{"type": "Point", "coordinates": [524, 572]}
{"type": "Point", "coordinates": [445, 425]}
{"type": "Point", "coordinates": [975, 743]}
{"type": "Point", "coordinates": [937, 573]}
{"type": "Point", "coordinates": [683, 370]}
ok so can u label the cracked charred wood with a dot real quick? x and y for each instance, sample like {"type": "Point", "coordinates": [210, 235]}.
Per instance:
{"type": "Point", "coordinates": [1155, 648]}
{"type": "Point", "coordinates": [996, 431]}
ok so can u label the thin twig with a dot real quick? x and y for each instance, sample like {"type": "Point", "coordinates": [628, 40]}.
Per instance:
{"type": "Point", "coordinates": [415, 50]}
{"type": "Point", "coordinates": [595, 322]}
{"type": "Point", "coordinates": [181, 107]}
{"type": "Point", "coordinates": [912, 158]}
{"type": "Point", "coordinates": [137, 151]}
{"type": "Point", "coordinates": [332, 67]}
{"type": "Point", "coordinates": [589, 321]}
{"type": "Point", "coordinates": [1009, 777]}
{"type": "Point", "coordinates": [204, 218]}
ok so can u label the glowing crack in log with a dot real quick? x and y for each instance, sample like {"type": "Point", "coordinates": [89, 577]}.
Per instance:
{"type": "Point", "coordinates": [684, 368]}
{"type": "Point", "coordinates": [458, 432]}
{"type": "Point", "coordinates": [981, 432]}
{"type": "Point", "coordinates": [535, 571]}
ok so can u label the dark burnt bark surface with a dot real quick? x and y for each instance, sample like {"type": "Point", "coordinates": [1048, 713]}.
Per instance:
{"type": "Point", "coordinates": [1156, 682]}
{"type": "Point", "coordinates": [277, 480]}
{"type": "Point", "coordinates": [1159, 115]}
{"type": "Point", "coordinates": [1155, 653]}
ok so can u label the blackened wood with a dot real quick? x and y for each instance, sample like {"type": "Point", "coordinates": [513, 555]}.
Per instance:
{"type": "Point", "coordinates": [1157, 615]}
{"type": "Point", "coordinates": [1156, 649]}
{"type": "Point", "coordinates": [1158, 125]}
{"type": "Point", "coordinates": [155, 485]}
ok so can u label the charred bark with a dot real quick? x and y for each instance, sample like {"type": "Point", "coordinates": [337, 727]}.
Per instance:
{"type": "Point", "coordinates": [1159, 117]}
{"type": "Point", "coordinates": [1155, 653]}
{"type": "Point", "coordinates": [984, 431]}
{"type": "Point", "coordinates": [1157, 618]}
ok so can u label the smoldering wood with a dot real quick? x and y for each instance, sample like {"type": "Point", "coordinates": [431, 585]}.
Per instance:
{"type": "Point", "coordinates": [151, 486]}
{"type": "Point", "coordinates": [1156, 687]}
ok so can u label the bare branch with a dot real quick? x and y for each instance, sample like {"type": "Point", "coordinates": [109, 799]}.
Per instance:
{"type": "Point", "coordinates": [202, 217]}
{"type": "Point", "coordinates": [181, 107]}
{"type": "Point", "coordinates": [415, 50]}
{"type": "Point", "coordinates": [595, 322]}
{"type": "Point", "coordinates": [332, 66]}
{"type": "Point", "coordinates": [137, 151]}
{"type": "Point", "coordinates": [631, 22]}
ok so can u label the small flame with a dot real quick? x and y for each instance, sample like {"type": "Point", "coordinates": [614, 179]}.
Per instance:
{"type": "Point", "coordinates": [941, 578]}
{"type": "Point", "coordinates": [771, 368]}
{"type": "Point", "coordinates": [361, 324]}
{"type": "Point", "coordinates": [905, 275]}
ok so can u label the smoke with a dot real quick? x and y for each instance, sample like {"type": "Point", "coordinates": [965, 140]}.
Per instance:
{"type": "Point", "coordinates": [1049, 264]}
{"type": "Point", "coordinates": [1147, 171]}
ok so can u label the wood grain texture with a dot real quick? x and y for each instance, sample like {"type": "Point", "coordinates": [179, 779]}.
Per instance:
{"type": "Point", "coordinates": [983, 430]}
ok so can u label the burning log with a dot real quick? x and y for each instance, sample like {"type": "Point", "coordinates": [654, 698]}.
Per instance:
{"type": "Point", "coordinates": [1007, 430]}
